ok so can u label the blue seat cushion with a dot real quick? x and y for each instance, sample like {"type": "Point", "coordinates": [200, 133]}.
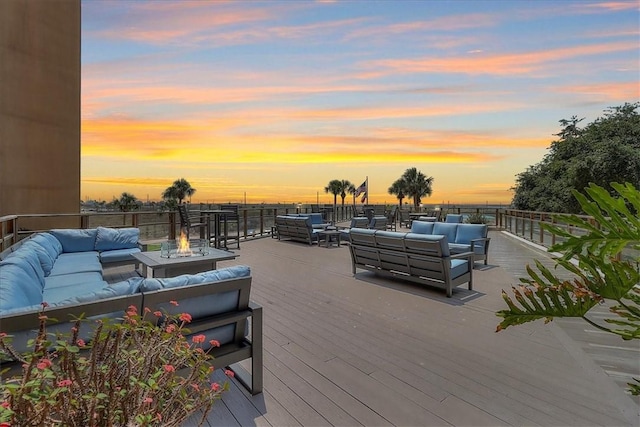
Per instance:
{"type": "Point", "coordinates": [445, 229]}
{"type": "Point", "coordinates": [113, 238]}
{"type": "Point", "coordinates": [118, 255]}
{"type": "Point", "coordinates": [55, 294]}
{"type": "Point", "coordinates": [78, 279]}
{"type": "Point", "coordinates": [76, 262]}
{"type": "Point", "coordinates": [126, 287]}
{"type": "Point", "coordinates": [422, 227]}
{"type": "Point", "coordinates": [18, 288]}
{"type": "Point", "coordinates": [28, 260]}
{"type": "Point", "coordinates": [76, 240]}
{"type": "Point", "coordinates": [459, 267]}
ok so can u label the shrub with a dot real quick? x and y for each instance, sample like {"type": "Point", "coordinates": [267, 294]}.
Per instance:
{"type": "Point", "coordinates": [134, 371]}
{"type": "Point", "coordinates": [476, 218]}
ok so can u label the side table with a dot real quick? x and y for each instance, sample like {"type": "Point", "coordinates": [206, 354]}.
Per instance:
{"type": "Point", "coordinates": [330, 237]}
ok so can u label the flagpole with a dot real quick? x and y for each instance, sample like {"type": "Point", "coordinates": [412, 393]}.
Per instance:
{"type": "Point", "coordinates": [367, 189]}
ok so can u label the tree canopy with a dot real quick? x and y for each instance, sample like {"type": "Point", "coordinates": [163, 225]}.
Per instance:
{"type": "Point", "coordinates": [604, 151]}
{"type": "Point", "coordinates": [179, 190]}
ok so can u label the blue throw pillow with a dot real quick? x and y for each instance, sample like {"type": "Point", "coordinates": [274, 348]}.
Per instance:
{"type": "Point", "coordinates": [76, 240]}
{"type": "Point", "coordinates": [445, 229]}
{"type": "Point", "coordinates": [108, 239]}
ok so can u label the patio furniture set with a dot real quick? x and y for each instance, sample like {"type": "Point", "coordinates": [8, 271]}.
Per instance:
{"type": "Point", "coordinates": [64, 268]}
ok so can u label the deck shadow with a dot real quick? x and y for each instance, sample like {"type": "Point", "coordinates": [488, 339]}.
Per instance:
{"type": "Point", "coordinates": [460, 296]}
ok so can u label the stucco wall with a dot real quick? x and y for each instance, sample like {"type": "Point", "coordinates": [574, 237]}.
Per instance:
{"type": "Point", "coordinates": [39, 106]}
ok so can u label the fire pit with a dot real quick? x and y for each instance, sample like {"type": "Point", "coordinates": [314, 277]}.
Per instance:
{"type": "Point", "coordinates": [184, 247]}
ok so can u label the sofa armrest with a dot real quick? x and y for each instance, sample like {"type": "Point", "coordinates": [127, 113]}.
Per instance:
{"type": "Point", "coordinates": [463, 255]}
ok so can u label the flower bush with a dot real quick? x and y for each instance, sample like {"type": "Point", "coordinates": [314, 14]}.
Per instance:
{"type": "Point", "coordinates": [139, 370]}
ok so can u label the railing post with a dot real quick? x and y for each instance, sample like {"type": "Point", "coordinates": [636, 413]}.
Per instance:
{"type": "Point", "coordinates": [553, 236]}
{"type": "Point", "coordinates": [541, 229]}
{"type": "Point", "coordinates": [244, 224]}
{"type": "Point", "coordinates": [261, 220]}
{"type": "Point", "coordinates": [172, 226]}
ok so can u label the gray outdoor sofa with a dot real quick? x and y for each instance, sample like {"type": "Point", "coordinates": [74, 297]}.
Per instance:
{"type": "Point", "coordinates": [416, 257]}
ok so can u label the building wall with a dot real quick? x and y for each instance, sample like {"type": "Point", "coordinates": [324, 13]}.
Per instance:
{"type": "Point", "coordinates": [39, 106]}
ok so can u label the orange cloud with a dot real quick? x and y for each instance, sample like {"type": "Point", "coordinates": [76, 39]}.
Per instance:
{"type": "Point", "coordinates": [506, 64]}
{"type": "Point", "coordinates": [624, 91]}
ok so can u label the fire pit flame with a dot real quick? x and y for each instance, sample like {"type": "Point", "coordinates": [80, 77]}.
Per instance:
{"type": "Point", "coordinates": [183, 246]}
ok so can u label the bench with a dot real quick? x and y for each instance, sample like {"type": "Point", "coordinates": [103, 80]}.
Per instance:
{"type": "Point", "coordinates": [298, 228]}
{"type": "Point", "coordinates": [419, 258]}
{"type": "Point", "coordinates": [460, 237]}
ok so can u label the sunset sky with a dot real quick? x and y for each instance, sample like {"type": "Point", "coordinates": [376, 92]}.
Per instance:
{"type": "Point", "coordinates": [273, 99]}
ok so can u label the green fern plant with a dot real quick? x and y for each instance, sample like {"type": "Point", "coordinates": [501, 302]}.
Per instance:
{"type": "Point", "coordinates": [595, 260]}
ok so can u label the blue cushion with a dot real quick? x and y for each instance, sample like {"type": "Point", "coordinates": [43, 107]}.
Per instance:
{"type": "Point", "coordinates": [414, 242]}
{"type": "Point", "coordinates": [53, 295]}
{"type": "Point", "coordinates": [422, 227]}
{"type": "Point", "coordinates": [18, 288]}
{"type": "Point", "coordinates": [453, 218]}
{"type": "Point", "coordinates": [118, 255]}
{"type": "Point", "coordinates": [468, 232]}
{"type": "Point", "coordinates": [76, 240]}
{"type": "Point", "coordinates": [359, 222]}
{"type": "Point", "coordinates": [28, 261]}
{"type": "Point", "coordinates": [43, 256]}
{"type": "Point", "coordinates": [445, 229]}
{"type": "Point", "coordinates": [126, 287]}
{"type": "Point", "coordinates": [64, 280]}
{"type": "Point", "coordinates": [234, 272]}
{"type": "Point", "coordinates": [112, 238]}
{"type": "Point", "coordinates": [48, 242]}
{"type": "Point", "coordinates": [459, 267]}
{"type": "Point", "coordinates": [76, 262]}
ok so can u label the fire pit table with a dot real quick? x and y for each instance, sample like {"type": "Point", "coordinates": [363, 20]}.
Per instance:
{"type": "Point", "coordinates": [171, 266]}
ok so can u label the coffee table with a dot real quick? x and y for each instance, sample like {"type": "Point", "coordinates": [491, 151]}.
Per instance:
{"type": "Point", "coordinates": [330, 236]}
{"type": "Point", "coordinates": [171, 267]}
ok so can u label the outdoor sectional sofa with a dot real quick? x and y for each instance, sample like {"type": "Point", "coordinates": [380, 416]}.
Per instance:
{"type": "Point", "coordinates": [63, 268]}
{"type": "Point", "coordinates": [421, 258]}
{"type": "Point", "coordinates": [460, 237]}
{"type": "Point", "coordinates": [298, 228]}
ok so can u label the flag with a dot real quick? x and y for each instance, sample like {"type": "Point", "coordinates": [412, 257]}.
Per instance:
{"type": "Point", "coordinates": [361, 189]}
{"type": "Point", "coordinates": [364, 198]}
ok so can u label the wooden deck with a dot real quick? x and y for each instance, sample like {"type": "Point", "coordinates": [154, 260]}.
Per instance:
{"type": "Point", "coordinates": [371, 351]}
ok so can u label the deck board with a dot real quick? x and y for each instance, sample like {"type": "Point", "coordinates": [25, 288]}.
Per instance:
{"type": "Point", "coordinates": [365, 350]}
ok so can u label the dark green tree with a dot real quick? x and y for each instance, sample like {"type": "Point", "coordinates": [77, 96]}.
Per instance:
{"type": "Point", "coordinates": [126, 203]}
{"type": "Point", "coordinates": [398, 188]}
{"type": "Point", "coordinates": [417, 185]}
{"type": "Point", "coordinates": [179, 190]}
{"type": "Point", "coordinates": [605, 151]}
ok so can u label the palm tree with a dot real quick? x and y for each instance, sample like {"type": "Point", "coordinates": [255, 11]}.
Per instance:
{"type": "Point", "coordinates": [352, 190]}
{"type": "Point", "coordinates": [179, 190]}
{"type": "Point", "coordinates": [417, 184]}
{"type": "Point", "coordinates": [127, 202]}
{"type": "Point", "coordinates": [334, 187]}
{"type": "Point", "coordinates": [345, 184]}
{"type": "Point", "coordinates": [399, 189]}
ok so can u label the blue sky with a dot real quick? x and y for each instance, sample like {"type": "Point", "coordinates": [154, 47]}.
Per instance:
{"type": "Point", "coordinates": [276, 98]}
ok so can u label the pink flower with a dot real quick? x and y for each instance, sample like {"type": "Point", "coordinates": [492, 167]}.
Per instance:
{"type": "Point", "coordinates": [65, 383]}
{"type": "Point", "coordinates": [148, 400]}
{"type": "Point", "coordinates": [195, 386]}
{"type": "Point", "coordinates": [174, 303]}
{"type": "Point", "coordinates": [215, 386]}
{"type": "Point", "coordinates": [229, 373]}
{"type": "Point", "coordinates": [80, 342]}
{"type": "Point", "coordinates": [198, 339]}
{"type": "Point", "coordinates": [132, 310]}
{"type": "Point", "coordinates": [170, 328]}
{"type": "Point", "coordinates": [159, 416]}
{"type": "Point", "coordinates": [5, 404]}
{"type": "Point", "coordinates": [169, 368]}
{"type": "Point", "coordinates": [44, 304]}
{"type": "Point", "coordinates": [157, 313]}
{"type": "Point", "coordinates": [147, 310]}
{"type": "Point", "coordinates": [5, 425]}
{"type": "Point", "coordinates": [2, 335]}
{"type": "Point", "coordinates": [44, 364]}
{"type": "Point", "coordinates": [214, 343]}
{"type": "Point", "coordinates": [185, 317]}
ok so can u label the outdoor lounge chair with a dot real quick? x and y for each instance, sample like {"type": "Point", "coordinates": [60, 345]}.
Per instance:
{"type": "Point", "coordinates": [187, 222]}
